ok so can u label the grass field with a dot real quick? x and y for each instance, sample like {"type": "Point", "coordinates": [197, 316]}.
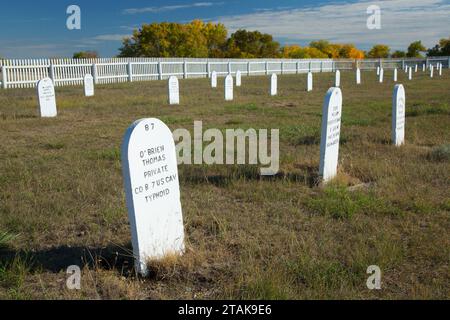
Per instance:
{"type": "Point", "coordinates": [62, 200]}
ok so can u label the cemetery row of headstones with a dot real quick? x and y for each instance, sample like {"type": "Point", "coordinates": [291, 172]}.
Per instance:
{"type": "Point", "coordinates": [47, 101]}
{"type": "Point", "coordinates": [149, 165]}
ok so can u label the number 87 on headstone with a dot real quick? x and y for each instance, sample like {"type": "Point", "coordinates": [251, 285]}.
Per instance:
{"type": "Point", "coordinates": [150, 171]}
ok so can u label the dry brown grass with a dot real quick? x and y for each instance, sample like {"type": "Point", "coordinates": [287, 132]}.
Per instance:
{"type": "Point", "coordinates": [287, 237]}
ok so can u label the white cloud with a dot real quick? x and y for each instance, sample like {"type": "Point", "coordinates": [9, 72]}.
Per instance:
{"type": "Point", "coordinates": [169, 8]}
{"type": "Point", "coordinates": [403, 21]}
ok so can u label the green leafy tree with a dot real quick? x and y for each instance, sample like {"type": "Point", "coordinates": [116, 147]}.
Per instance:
{"type": "Point", "coordinates": [415, 49]}
{"type": "Point", "coordinates": [398, 54]}
{"type": "Point", "coordinates": [441, 49]}
{"type": "Point", "coordinates": [379, 51]}
{"type": "Point", "coordinates": [252, 44]}
{"type": "Point", "coordinates": [85, 55]}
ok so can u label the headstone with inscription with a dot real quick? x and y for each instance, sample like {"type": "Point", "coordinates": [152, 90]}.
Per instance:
{"type": "Point", "coordinates": [331, 129]}
{"type": "Point", "coordinates": [47, 98]}
{"type": "Point", "coordinates": [273, 85]}
{"type": "Point", "coordinates": [337, 80]}
{"type": "Point", "coordinates": [174, 90]}
{"type": "Point", "coordinates": [238, 78]}
{"type": "Point", "coordinates": [229, 88]}
{"type": "Point", "coordinates": [88, 85]}
{"type": "Point", "coordinates": [398, 115]}
{"type": "Point", "coordinates": [150, 172]}
{"type": "Point", "coordinates": [214, 79]}
{"type": "Point", "coordinates": [358, 76]}
{"type": "Point", "coordinates": [309, 82]}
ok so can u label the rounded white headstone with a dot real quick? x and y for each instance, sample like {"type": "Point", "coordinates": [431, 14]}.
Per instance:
{"type": "Point", "coordinates": [337, 80]}
{"type": "Point", "coordinates": [174, 90]}
{"type": "Point", "coordinates": [273, 85]}
{"type": "Point", "coordinates": [238, 78]}
{"type": "Point", "coordinates": [229, 88]}
{"type": "Point", "coordinates": [330, 137]}
{"type": "Point", "coordinates": [88, 85]}
{"type": "Point", "coordinates": [150, 171]}
{"type": "Point", "coordinates": [47, 98]}
{"type": "Point", "coordinates": [214, 79]}
{"type": "Point", "coordinates": [398, 115]}
{"type": "Point", "coordinates": [309, 82]}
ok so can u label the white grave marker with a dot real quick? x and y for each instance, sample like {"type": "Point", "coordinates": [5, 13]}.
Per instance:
{"type": "Point", "coordinates": [337, 80]}
{"type": "Point", "coordinates": [410, 73]}
{"type": "Point", "coordinates": [273, 85]}
{"type": "Point", "coordinates": [415, 68]}
{"type": "Point", "coordinates": [423, 67]}
{"type": "Point", "coordinates": [309, 84]}
{"type": "Point", "coordinates": [331, 129]}
{"type": "Point", "coordinates": [47, 99]}
{"type": "Point", "coordinates": [431, 71]}
{"type": "Point", "coordinates": [358, 76]}
{"type": "Point", "coordinates": [238, 78]}
{"type": "Point", "coordinates": [395, 75]}
{"type": "Point", "coordinates": [88, 85]}
{"type": "Point", "coordinates": [440, 69]}
{"type": "Point", "coordinates": [214, 79]}
{"type": "Point", "coordinates": [229, 88]}
{"type": "Point", "coordinates": [150, 172]}
{"type": "Point", "coordinates": [398, 115]}
{"type": "Point", "coordinates": [378, 71]}
{"type": "Point", "coordinates": [381, 76]}
{"type": "Point", "coordinates": [174, 90]}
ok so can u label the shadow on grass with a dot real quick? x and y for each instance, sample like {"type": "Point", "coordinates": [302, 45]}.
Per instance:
{"type": "Point", "coordinates": [307, 175]}
{"type": "Point", "coordinates": [58, 259]}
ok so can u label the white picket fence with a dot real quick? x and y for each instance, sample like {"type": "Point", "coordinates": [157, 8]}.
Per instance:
{"type": "Point", "coordinates": [65, 72]}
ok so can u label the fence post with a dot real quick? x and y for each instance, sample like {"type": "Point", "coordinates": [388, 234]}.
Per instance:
{"type": "Point", "coordinates": [160, 73]}
{"type": "Point", "coordinates": [51, 72]}
{"type": "Point", "coordinates": [248, 68]}
{"type": "Point", "coordinates": [185, 75]}
{"type": "Point", "coordinates": [208, 69]}
{"type": "Point", "coordinates": [267, 67]}
{"type": "Point", "coordinates": [427, 63]}
{"type": "Point", "coordinates": [130, 72]}
{"type": "Point", "coordinates": [94, 73]}
{"type": "Point", "coordinates": [4, 78]}
{"type": "Point", "coordinates": [229, 67]}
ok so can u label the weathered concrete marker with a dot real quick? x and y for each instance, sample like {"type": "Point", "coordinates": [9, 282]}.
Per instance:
{"type": "Point", "coordinates": [149, 165]}
{"type": "Point", "coordinates": [330, 137]}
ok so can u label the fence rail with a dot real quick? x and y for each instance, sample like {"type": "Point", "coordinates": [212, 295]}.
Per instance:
{"type": "Point", "coordinates": [69, 72]}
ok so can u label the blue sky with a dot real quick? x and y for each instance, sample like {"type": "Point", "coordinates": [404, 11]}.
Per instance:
{"type": "Point", "coordinates": [32, 29]}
